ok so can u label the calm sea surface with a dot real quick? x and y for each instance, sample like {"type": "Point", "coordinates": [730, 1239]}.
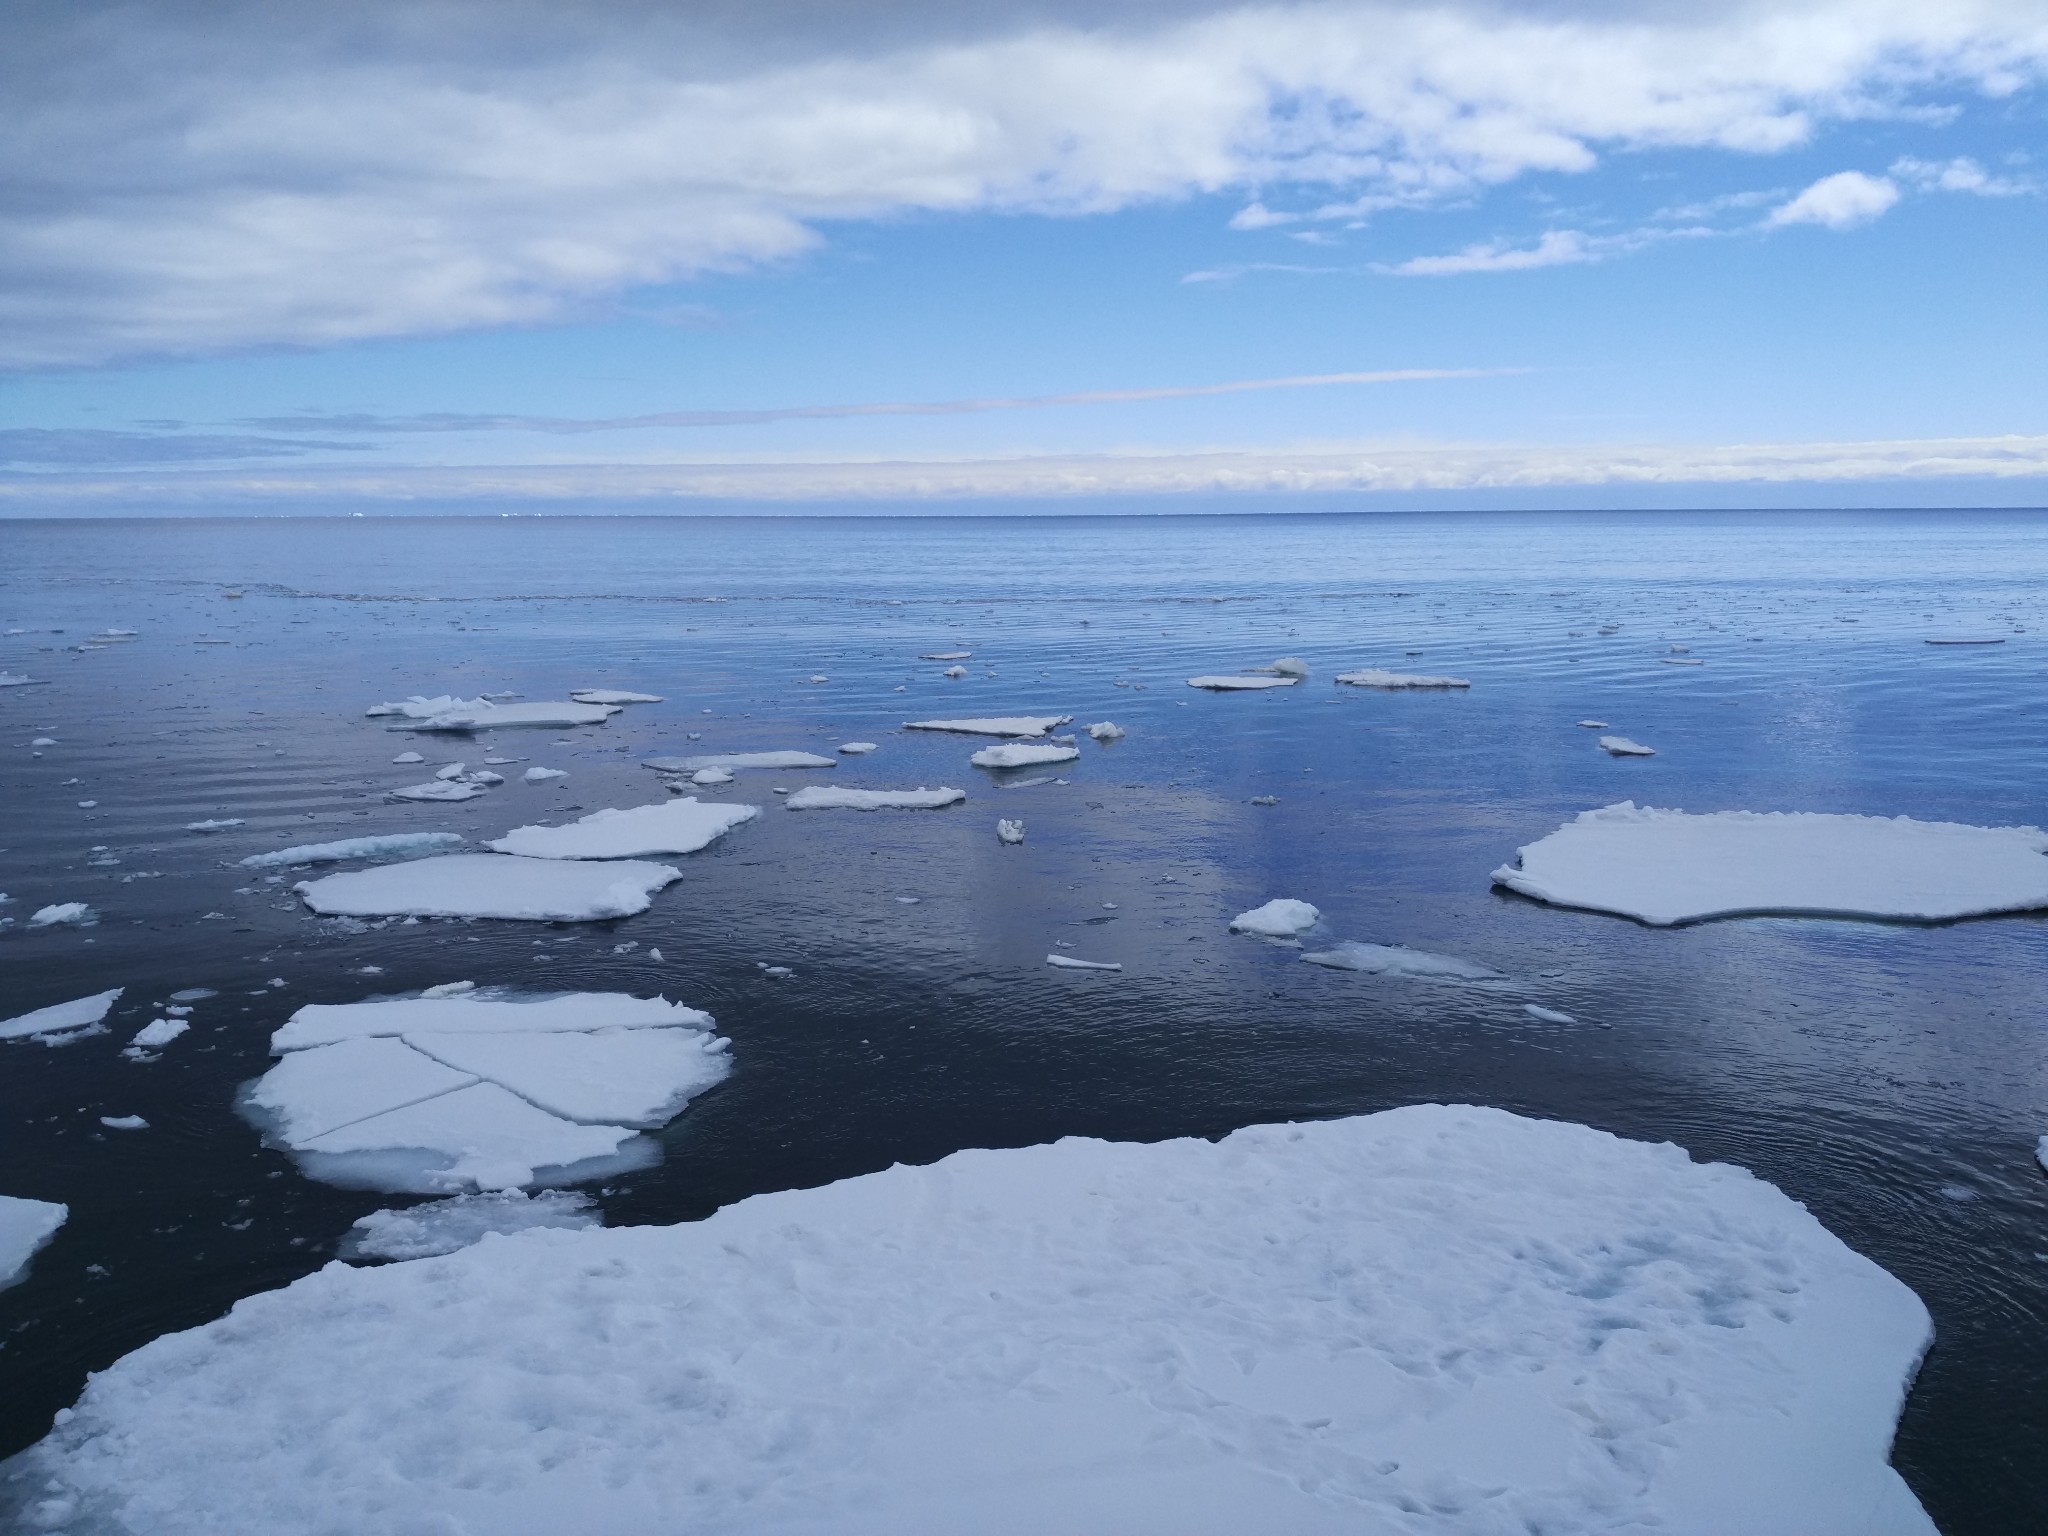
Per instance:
{"type": "Point", "coordinates": [1892, 1077]}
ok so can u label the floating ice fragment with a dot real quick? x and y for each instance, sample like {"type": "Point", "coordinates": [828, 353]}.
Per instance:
{"type": "Point", "coordinates": [486, 717]}
{"type": "Point", "coordinates": [1398, 960]}
{"type": "Point", "coordinates": [75, 914]}
{"type": "Point", "coordinates": [81, 1013]}
{"type": "Point", "coordinates": [448, 1226]}
{"type": "Point", "coordinates": [19, 680]}
{"type": "Point", "coordinates": [159, 1032]}
{"type": "Point", "coordinates": [1009, 831]}
{"type": "Point", "coordinates": [1069, 963]}
{"type": "Point", "coordinates": [542, 775]}
{"type": "Point", "coordinates": [44, 741]}
{"type": "Point", "coordinates": [449, 989]}
{"type": "Point", "coordinates": [1280, 918]}
{"type": "Point", "coordinates": [673, 826]}
{"type": "Point", "coordinates": [612, 696]}
{"type": "Point", "coordinates": [1681, 661]}
{"type": "Point", "coordinates": [1621, 746]}
{"type": "Point", "coordinates": [711, 778]}
{"type": "Point", "coordinates": [739, 760]}
{"type": "Point", "coordinates": [1235, 684]}
{"type": "Point", "coordinates": [1290, 666]}
{"type": "Point", "coordinates": [1594, 725]}
{"type": "Point", "coordinates": [451, 771]}
{"type": "Point", "coordinates": [438, 789]}
{"type": "Point", "coordinates": [1547, 1015]}
{"type": "Point", "coordinates": [818, 797]}
{"type": "Point", "coordinates": [1265, 799]}
{"type": "Point", "coordinates": [944, 655]}
{"type": "Point", "coordinates": [213, 826]}
{"type": "Point", "coordinates": [25, 1225]}
{"type": "Point", "coordinates": [421, 708]}
{"type": "Point", "coordinates": [954, 672]}
{"type": "Point", "coordinates": [998, 725]}
{"type": "Point", "coordinates": [492, 885]}
{"type": "Point", "coordinates": [856, 748]}
{"type": "Point", "coordinates": [124, 1122]}
{"type": "Point", "coordinates": [817, 677]}
{"type": "Point", "coordinates": [779, 972]}
{"type": "Point", "coordinates": [1105, 730]}
{"type": "Point", "coordinates": [408, 757]}
{"type": "Point", "coordinates": [485, 777]}
{"type": "Point", "coordinates": [86, 805]}
{"type": "Point", "coordinates": [319, 1024]}
{"type": "Point", "coordinates": [634, 1077]}
{"type": "Point", "coordinates": [1022, 755]}
{"type": "Point", "coordinates": [1374, 677]}
{"type": "Point", "coordinates": [1999, 640]}
{"type": "Point", "coordinates": [193, 995]}
{"type": "Point", "coordinates": [1664, 867]}
{"type": "Point", "coordinates": [353, 848]}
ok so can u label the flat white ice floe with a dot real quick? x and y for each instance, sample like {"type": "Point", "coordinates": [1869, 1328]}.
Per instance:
{"type": "Point", "coordinates": [1219, 684]}
{"type": "Point", "coordinates": [492, 885]}
{"type": "Point", "coordinates": [856, 748]}
{"type": "Point", "coordinates": [220, 825]}
{"type": "Point", "coordinates": [820, 797]}
{"type": "Point", "coordinates": [673, 826]}
{"type": "Point", "coordinates": [1280, 918]}
{"type": "Point", "coordinates": [1437, 1319]}
{"type": "Point", "coordinates": [542, 775]}
{"type": "Point", "coordinates": [1399, 960]}
{"type": "Point", "coordinates": [612, 696]}
{"type": "Point", "coordinates": [158, 1033]}
{"type": "Point", "coordinates": [1621, 746]}
{"type": "Point", "coordinates": [447, 1226]}
{"type": "Point", "coordinates": [992, 725]}
{"type": "Point", "coordinates": [488, 717]}
{"type": "Point", "coordinates": [1023, 755]}
{"type": "Point", "coordinates": [353, 848]}
{"type": "Point", "coordinates": [58, 1018]}
{"type": "Point", "coordinates": [1069, 963]}
{"type": "Point", "coordinates": [438, 789]}
{"type": "Point", "coordinates": [1373, 677]}
{"type": "Point", "coordinates": [19, 680]}
{"type": "Point", "coordinates": [63, 914]}
{"type": "Point", "coordinates": [739, 760]}
{"type": "Point", "coordinates": [1663, 867]}
{"type": "Point", "coordinates": [25, 1225]}
{"type": "Point", "coordinates": [944, 655]}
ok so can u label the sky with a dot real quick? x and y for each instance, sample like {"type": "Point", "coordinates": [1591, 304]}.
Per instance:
{"type": "Point", "coordinates": [794, 253]}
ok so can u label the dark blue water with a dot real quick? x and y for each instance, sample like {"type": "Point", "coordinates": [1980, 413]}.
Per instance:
{"type": "Point", "coordinates": [1892, 1077]}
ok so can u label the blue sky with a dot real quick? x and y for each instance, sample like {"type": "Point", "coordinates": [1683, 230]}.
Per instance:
{"type": "Point", "coordinates": [1635, 250]}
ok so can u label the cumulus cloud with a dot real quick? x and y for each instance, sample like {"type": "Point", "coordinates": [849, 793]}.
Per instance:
{"type": "Point", "coordinates": [1841, 201]}
{"type": "Point", "coordinates": [184, 179]}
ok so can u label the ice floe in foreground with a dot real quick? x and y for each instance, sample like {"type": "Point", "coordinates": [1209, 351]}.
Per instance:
{"type": "Point", "coordinates": [739, 760]}
{"type": "Point", "coordinates": [1233, 684]}
{"type": "Point", "coordinates": [491, 885]}
{"type": "Point", "coordinates": [451, 1093]}
{"type": "Point", "coordinates": [492, 716]}
{"type": "Point", "coordinates": [63, 914]}
{"type": "Point", "coordinates": [1022, 755]}
{"type": "Point", "coordinates": [25, 1225]}
{"type": "Point", "coordinates": [1399, 960]}
{"type": "Point", "coordinates": [447, 1226]}
{"type": "Point", "coordinates": [1280, 918]}
{"type": "Point", "coordinates": [820, 797]}
{"type": "Point", "coordinates": [1663, 867]}
{"type": "Point", "coordinates": [60, 1018]}
{"type": "Point", "coordinates": [992, 725]}
{"type": "Point", "coordinates": [1373, 677]}
{"type": "Point", "coordinates": [674, 826]}
{"type": "Point", "coordinates": [1437, 1319]}
{"type": "Point", "coordinates": [353, 848]}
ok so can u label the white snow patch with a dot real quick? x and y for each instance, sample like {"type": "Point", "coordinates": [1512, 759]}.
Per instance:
{"type": "Point", "coordinates": [1399, 960]}
{"type": "Point", "coordinates": [1663, 867]}
{"type": "Point", "coordinates": [612, 696]}
{"type": "Point", "coordinates": [1009, 831]}
{"type": "Point", "coordinates": [992, 725]}
{"type": "Point", "coordinates": [1280, 918]}
{"type": "Point", "coordinates": [459, 1012]}
{"type": "Point", "coordinates": [438, 789]}
{"type": "Point", "coordinates": [213, 826]}
{"type": "Point", "coordinates": [80, 1013]}
{"type": "Point", "coordinates": [1234, 684]}
{"type": "Point", "coordinates": [740, 760]}
{"type": "Point", "coordinates": [542, 775]}
{"type": "Point", "coordinates": [25, 1225]}
{"type": "Point", "coordinates": [818, 797]}
{"type": "Point", "coordinates": [353, 848]}
{"type": "Point", "coordinates": [159, 1032]}
{"type": "Point", "coordinates": [856, 748]}
{"type": "Point", "coordinates": [1621, 746]}
{"type": "Point", "coordinates": [637, 1077]}
{"type": "Point", "coordinates": [448, 1226]}
{"type": "Point", "coordinates": [74, 914]}
{"type": "Point", "coordinates": [672, 826]}
{"type": "Point", "coordinates": [491, 885]}
{"type": "Point", "coordinates": [1022, 755]}
{"type": "Point", "coordinates": [1069, 963]}
{"type": "Point", "coordinates": [1373, 677]}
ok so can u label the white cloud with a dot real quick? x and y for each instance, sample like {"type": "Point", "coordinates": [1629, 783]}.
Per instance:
{"type": "Point", "coordinates": [1557, 248]}
{"type": "Point", "coordinates": [185, 179]}
{"type": "Point", "coordinates": [1841, 201]}
{"type": "Point", "coordinates": [1959, 175]}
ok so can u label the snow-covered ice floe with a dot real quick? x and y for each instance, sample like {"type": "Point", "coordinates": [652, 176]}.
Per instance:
{"type": "Point", "coordinates": [1023, 755]}
{"type": "Point", "coordinates": [1621, 746]}
{"type": "Point", "coordinates": [25, 1225]}
{"type": "Point", "coordinates": [992, 725]}
{"type": "Point", "coordinates": [1280, 918]}
{"type": "Point", "coordinates": [612, 696]}
{"type": "Point", "coordinates": [739, 760]}
{"type": "Point", "coordinates": [1069, 963]}
{"type": "Point", "coordinates": [438, 789]}
{"type": "Point", "coordinates": [63, 914]}
{"type": "Point", "coordinates": [158, 1033]}
{"type": "Point", "coordinates": [451, 1093]}
{"type": "Point", "coordinates": [1373, 677]}
{"type": "Point", "coordinates": [1007, 831]}
{"type": "Point", "coordinates": [447, 1226]}
{"type": "Point", "coordinates": [1663, 867]}
{"type": "Point", "coordinates": [377, 847]}
{"type": "Point", "coordinates": [61, 1018]}
{"type": "Point", "coordinates": [1399, 960]}
{"type": "Point", "coordinates": [19, 680]}
{"type": "Point", "coordinates": [944, 655]}
{"type": "Point", "coordinates": [856, 748]}
{"type": "Point", "coordinates": [1233, 684]}
{"type": "Point", "coordinates": [491, 885]}
{"type": "Point", "coordinates": [1105, 730]}
{"type": "Point", "coordinates": [819, 797]}
{"type": "Point", "coordinates": [674, 826]}
{"type": "Point", "coordinates": [220, 824]}
{"type": "Point", "coordinates": [491, 716]}
{"type": "Point", "coordinates": [1438, 1319]}
{"type": "Point", "coordinates": [419, 707]}
{"type": "Point", "coordinates": [542, 775]}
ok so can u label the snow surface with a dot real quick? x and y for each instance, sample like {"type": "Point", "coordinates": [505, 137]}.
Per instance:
{"type": "Point", "coordinates": [352, 848]}
{"type": "Point", "coordinates": [1233, 684]}
{"type": "Point", "coordinates": [673, 826]}
{"type": "Point", "coordinates": [491, 885]}
{"type": "Point", "coordinates": [1280, 918]}
{"type": "Point", "coordinates": [819, 797]}
{"type": "Point", "coordinates": [80, 1013]}
{"type": "Point", "coordinates": [1373, 677]}
{"type": "Point", "coordinates": [443, 1011]}
{"type": "Point", "coordinates": [1399, 960]}
{"type": "Point", "coordinates": [419, 707]}
{"type": "Point", "coordinates": [738, 760]}
{"type": "Point", "coordinates": [1438, 1319]}
{"type": "Point", "coordinates": [1663, 867]}
{"type": "Point", "coordinates": [1621, 746]}
{"type": "Point", "coordinates": [992, 725]}
{"type": "Point", "coordinates": [612, 696]}
{"type": "Point", "coordinates": [447, 1226]}
{"type": "Point", "coordinates": [438, 789]}
{"type": "Point", "coordinates": [491, 716]}
{"type": "Point", "coordinates": [1022, 755]}
{"type": "Point", "coordinates": [1069, 963]}
{"type": "Point", "coordinates": [25, 1225]}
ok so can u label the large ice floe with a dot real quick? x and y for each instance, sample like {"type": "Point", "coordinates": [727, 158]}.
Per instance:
{"type": "Point", "coordinates": [440, 1095]}
{"type": "Point", "coordinates": [992, 725]}
{"type": "Point", "coordinates": [61, 1018]}
{"type": "Point", "coordinates": [1232, 684]}
{"type": "Point", "coordinates": [822, 797]}
{"type": "Point", "coordinates": [1023, 755]}
{"type": "Point", "coordinates": [487, 717]}
{"type": "Point", "coordinates": [491, 885]}
{"type": "Point", "coordinates": [1437, 1320]}
{"type": "Point", "coordinates": [25, 1225]}
{"type": "Point", "coordinates": [739, 761]}
{"type": "Point", "coordinates": [1663, 867]}
{"type": "Point", "coordinates": [379, 847]}
{"type": "Point", "coordinates": [1399, 960]}
{"type": "Point", "coordinates": [1373, 677]}
{"type": "Point", "coordinates": [1281, 918]}
{"type": "Point", "coordinates": [674, 826]}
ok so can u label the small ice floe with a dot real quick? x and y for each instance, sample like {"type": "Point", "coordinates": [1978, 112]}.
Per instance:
{"type": "Point", "coordinates": [485, 777]}
{"type": "Point", "coordinates": [944, 655]}
{"type": "Point", "coordinates": [124, 1122]}
{"type": "Point", "coordinates": [856, 748]}
{"type": "Point", "coordinates": [63, 914]}
{"type": "Point", "coordinates": [711, 778]}
{"type": "Point", "coordinates": [154, 1036]}
{"type": "Point", "coordinates": [44, 741]}
{"type": "Point", "coordinates": [956, 673]}
{"type": "Point", "coordinates": [25, 1225]}
{"type": "Point", "coordinates": [213, 826]}
{"type": "Point", "coordinates": [61, 1018]}
{"type": "Point", "coordinates": [1287, 666]}
{"type": "Point", "coordinates": [1663, 867]}
{"type": "Point", "coordinates": [461, 1221]}
{"type": "Point", "coordinates": [1593, 725]}
{"type": "Point", "coordinates": [494, 761]}
{"type": "Point", "coordinates": [87, 805]}
{"type": "Point", "coordinates": [542, 775]}
{"type": "Point", "coordinates": [1009, 831]}
{"type": "Point", "coordinates": [438, 789]}
{"type": "Point", "coordinates": [996, 725]}
{"type": "Point", "coordinates": [377, 847]}
{"type": "Point", "coordinates": [819, 797]}
{"type": "Point", "coordinates": [672, 826]}
{"type": "Point", "coordinates": [775, 972]}
{"type": "Point", "coordinates": [1069, 963]}
{"type": "Point", "coordinates": [2041, 1153]}
{"type": "Point", "coordinates": [817, 677]}
{"type": "Point", "coordinates": [1995, 640]}
{"type": "Point", "coordinates": [1621, 746]}
{"type": "Point", "coordinates": [419, 707]}
{"type": "Point", "coordinates": [1265, 799]}
{"type": "Point", "coordinates": [1681, 661]}
{"type": "Point", "coordinates": [1374, 677]}
{"type": "Point", "coordinates": [1280, 918]}
{"type": "Point", "coordinates": [737, 761]}
{"type": "Point", "coordinates": [1023, 755]}
{"type": "Point", "coordinates": [1105, 730]}
{"type": "Point", "coordinates": [1547, 1015]}
{"type": "Point", "coordinates": [489, 717]}
{"type": "Point", "coordinates": [1399, 960]}
{"type": "Point", "coordinates": [19, 680]}
{"type": "Point", "coordinates": [1220, 684]}
{"type": "Point", "coordinates": [408, 757]}
{"type": "Point", "coordinates": [451, 771]}
{"type": "Point", "coordinates": [612, 696]}
{"type": "Point", "coordinates": [492, 885]}
{"type": "Point", "coordinates": [444, 1095]}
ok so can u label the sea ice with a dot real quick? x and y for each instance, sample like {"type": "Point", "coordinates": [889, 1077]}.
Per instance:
{"type": "Point", "coordinates": [353, 848]}
{"type": "Point", "coordinates": [1663, 867]}
{"type": "Point", "coordinates": [1009, 831]}
{"type": "Point", "coordinates": [1233, 684]}
{"type": "Point", "coordinates": [1547, 1015]}
{"type": "Point", "coordinates": [488, 717]}
{"type": "Point", "coordinates": [1022, 755]}
{"type": "Point", "coordinates": [1621, 746]}
{"type": "Point", "coordinates": [1105, 730]}
{"type": "Point", "coordinates": [998, 725]}
{"type": "Point", "coordinates": [711, 778]}
{"type": "Point", "coordinates": [25, 1225]}
{"type": "Point", "coordinates": [159, 1032]}
{"type": "Point", "coordinates": [636, 1077]}
{"type": "Point", "coordinates": [124, 1122]}
{"type": "Point", "coordinates": [491, 885]}
{"type": "Point", "coordinates": [1289, 666]}
{"type": "Point", "coordinates": [1069, 963]}
{"type": "Point", "coordinates": [1437, 1319]}
{"type": "Point", "coordinates": [737, 760]}
{"type": "Point", "coordinates": [448, 1226]}
{"type": "Point", "coordinates": [80, 1013]}
{"type": "Point", "coordinates": [673, 826]}
{"type": "Point", "coordinates": [944, 655]}
{"type": "Point", "coordinates": [612, 696]}
{"type": "Point", "coordinates": [856, 748]}
{"type": "Point", "coordinates": [819, 797]}
{"type": "Point", "coordinates": [421, 708]}
{"type": "Point", "coordinates": [75, 914]}
{"type": "Point", "coordinates": [312, 1092]}
{"type": "Point", "coordinates": [19, 680]}
{"type": "Point", "coordinates": [408, 757]}
{"type": "Point", "coordinates": [1280, 918]}
{"type": "Point", "coordinates": [955, 673]}
{"type": "Point", "coordinates": [451, 771]}
{"type": "Point", "coordinates": [1594, 725]}
{"type": "Point", "coordinates": [1373, 677]}
{"type": "Point", "coordinates": [438, 789]}
{"type": "Point", "coordinates": [542, 775]}
{"type": "Point", "coordinates": [1398, 960]}
{"type": "Point", "coordinates": [469, 1012]}
{"type": "Point", "coordinates": [213, 826]}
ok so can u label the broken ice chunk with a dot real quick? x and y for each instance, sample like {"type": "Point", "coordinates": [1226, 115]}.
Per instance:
{"type": "Point", "coordinates": [1621, 746]}
{"type": "Point", "coordinates": [1217, 684]}
{"type": "Point", "coordinates": [636, 1077]}
{"type": "Point", "coordinates": [945, 655]}
{"type": "Point", "coordinates": [352, 848]}
{"type": "Point", "coordinates": [856, 748]}
{"type": "Point", "coordinates": [213, 826]}
{"type": "Point", "coordinates": [1547, 1015]}
{"type": "Point", "coordinates": [612, 696]}
{"type": "Point", "coordinates": [1069, 963]}
{"type": "Point", "coordinates": [74, 914]}
{"type": "Point", "coordinates": [1280, 918]}
{"type": "Point", "coordinates": [1594, 725]}
{"type": "Point", "coordinates": [124, 1122]}
{"type": "Point", "coordinates": [310, 1093]}
{"type": "Point", "coordinates": [674, 826]}
{"type": "Point", "coordinates": [408, 757]}
{"type": "Point", "coordinates": [1022, 755]}
{"type": "Point", "coordinates": [997, 725]}
{"type": "Point", "coordinates": [461, 1221]}
{"type": "Point", "coordinates": [1106, 730]}
{"type": "Point", "coordinates": [711, 778]}
{"type": "Point", "coordinates": [159, 1032]}
{"type": "Point", "coordinates": [1398, 960]}
{"type": "Point", "coordinates": [954, 672]}
{"type": "Point", "coordinates": [818, 797]}
{"type": "Point", "coordinates": [80, 1013]}
{"type": "Point", "coordinates": [25, 1225]}
{"type": "Point", "coordinates": [437, 789]}
{"type": "Point", "coordinates": [1373, 677]}
{"type": "Point", "coordinates": [1009, 831]}
{"type": "Point", "coordinates": [487, 717]}
{"type": "Point", "coordinates": [420, 708]}
{"type": "Point", "coordinates": [492, 885]}
{"type": "Point", "coordinates": [738, 760]}
{"type": "Point", "coordinates": [542, 775]}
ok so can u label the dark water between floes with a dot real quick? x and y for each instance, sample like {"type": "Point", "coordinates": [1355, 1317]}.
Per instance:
{"type": "Point", "coordinates": [1892, 1077]}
